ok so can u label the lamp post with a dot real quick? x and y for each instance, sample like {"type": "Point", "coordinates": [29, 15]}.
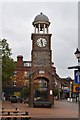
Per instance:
{"type": "Point", "coordinates": [70, 91]}
{"type": "Point", "coordinates": [77, 54]}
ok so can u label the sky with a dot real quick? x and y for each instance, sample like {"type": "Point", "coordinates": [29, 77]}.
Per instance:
{"type": "Point", "coordinates": [16, 27]}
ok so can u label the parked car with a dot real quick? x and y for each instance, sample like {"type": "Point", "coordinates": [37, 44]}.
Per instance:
{"type": "Point", "coordinates": [26, 100]}
{"type": "Point", "coordinates": [14, 99]}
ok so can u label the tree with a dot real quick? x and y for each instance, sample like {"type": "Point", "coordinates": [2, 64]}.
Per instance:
{"type": "Point", "coordinates": [56, 92]}
{"type": "Point", "coordinates": [6, 51]}
{"type": "Point", "coordinates": [8, 64]}
{"type": "Point", "coordinates": [25, 92]}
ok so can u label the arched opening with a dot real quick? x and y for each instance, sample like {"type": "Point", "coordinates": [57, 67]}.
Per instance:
{"type": "Point", "coordinates": [41, 89]}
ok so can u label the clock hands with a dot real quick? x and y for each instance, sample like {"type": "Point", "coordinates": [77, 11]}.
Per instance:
{"type": "Point", "coordinates": [41, 42]}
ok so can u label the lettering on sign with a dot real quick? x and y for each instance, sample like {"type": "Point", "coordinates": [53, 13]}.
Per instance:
{"type": "Point", "coordinates": [41, 71]}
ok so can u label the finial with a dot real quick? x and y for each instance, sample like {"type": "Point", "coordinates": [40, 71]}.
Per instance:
{"type": "Point", "coordinates": [41, 13]}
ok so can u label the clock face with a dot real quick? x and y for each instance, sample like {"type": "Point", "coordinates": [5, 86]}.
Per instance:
{"type": "Point", "coordinates": [41, 42]}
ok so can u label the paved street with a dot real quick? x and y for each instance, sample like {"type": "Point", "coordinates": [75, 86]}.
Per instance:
{"type": "Point", "coordinates": [61, 109]}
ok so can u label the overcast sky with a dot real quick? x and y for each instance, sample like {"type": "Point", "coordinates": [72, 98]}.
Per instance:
{"type": "Point", "coordinates": [17, 18]}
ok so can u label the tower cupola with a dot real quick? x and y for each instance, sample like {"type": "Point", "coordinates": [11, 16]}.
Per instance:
{"type": "Point", "coordinates": [41, 24]}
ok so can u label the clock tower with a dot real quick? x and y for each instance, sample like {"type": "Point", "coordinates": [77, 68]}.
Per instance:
{"type": "Point", "coordinates": [41, 56]}
{"type": "Point", "coordinates": [41, 42]}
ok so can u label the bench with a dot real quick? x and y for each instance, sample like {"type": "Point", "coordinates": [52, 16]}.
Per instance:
{"type": "Point", "coordinates": [42, 104]}
{"type": "Point", "coordinates": [9, 111]}
{"type": "Point", "coordinates": [15, 117]}
{"type": "Point", "coordinates": [14, 114]}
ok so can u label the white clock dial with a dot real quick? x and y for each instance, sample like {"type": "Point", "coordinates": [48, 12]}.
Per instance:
{"type": "Point", "coordinates": [41, 42]}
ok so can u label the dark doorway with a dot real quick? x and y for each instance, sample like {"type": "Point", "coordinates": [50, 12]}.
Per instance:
{"type": "Point", "coordinates": [40, 89]}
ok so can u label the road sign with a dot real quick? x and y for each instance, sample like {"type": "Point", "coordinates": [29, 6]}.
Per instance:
{"type": "Point", "coordinates": [77, 76]}
{"type": "Point", "coordinates": [76, 88]}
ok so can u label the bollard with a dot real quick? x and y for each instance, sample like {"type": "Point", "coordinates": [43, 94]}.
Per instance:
{"type": "Point", "coordinates": [71, 100]}
{"type": "Point", "coordinates": [68, 99]}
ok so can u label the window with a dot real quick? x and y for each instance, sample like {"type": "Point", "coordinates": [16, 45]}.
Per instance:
{"type": "Point", "coordinates": [15, 73]}
{"type": "Point", "coordinates": [14, 83]}
{"type": "Point", "coordinates": [26, 73]}
{"type": "Point", "coordinates": [27, 64]}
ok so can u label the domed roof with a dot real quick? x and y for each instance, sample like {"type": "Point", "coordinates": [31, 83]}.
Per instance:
{"type": "Point", "coordinates": [41, 17]}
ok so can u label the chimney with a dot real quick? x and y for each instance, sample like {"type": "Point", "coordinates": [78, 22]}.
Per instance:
{"type": "Point", "coordinates": [19, 60]}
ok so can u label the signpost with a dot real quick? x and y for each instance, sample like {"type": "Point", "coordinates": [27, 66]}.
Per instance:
{"type": "Point", "coordinates": [76, 88]}
{"type": "Point", "coordinates": [77, 76]}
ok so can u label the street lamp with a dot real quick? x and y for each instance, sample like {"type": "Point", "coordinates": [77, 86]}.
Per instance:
{"type": "Point", "coordinates": [77, 54]}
